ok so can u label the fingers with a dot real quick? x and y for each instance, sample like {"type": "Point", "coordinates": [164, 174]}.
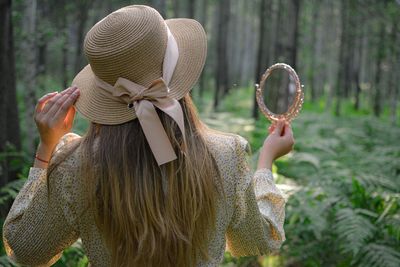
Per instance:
{"type": "Point", "coordinates": [288, 129]}
{"type": "Point", "coordinates": [271, 128]}
{"type": "Point", "coordinates": [69, 89]}
{"type": "Point", "coordinates": [42, 101]}
{"type": "Point", "coordinates": [69, 118]}
{"type": "Point", "coordinates": [278, 128]}
{"type": "Point", "coordinates": [288, 135]}
{"type": "Point", "coordinates": [66, 109]}
{"type": "Point", "coordinates": [50, 103]}
{"type": "Point", "coordinates": [57, 101]}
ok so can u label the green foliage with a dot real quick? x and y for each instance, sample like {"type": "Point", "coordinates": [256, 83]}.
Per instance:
{"type": "Point", "coordinates": [380, 256]}
{"type": "Point", "coordinates": [17, 161]}
{"type": "Point", "coordinates": [73, 256]}
{"type": "Point", "coordinates": [349, 198]}
{"type": "Point", "coordinates": [353, 229]}
{"type": "Point", "coordinates": [345, 210]}
{"type": "Point", "coordinates": [5, 262]}
{"type": "Point", "coordinates": [10, 190]}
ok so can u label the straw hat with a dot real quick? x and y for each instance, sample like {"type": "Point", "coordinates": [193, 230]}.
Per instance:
{"type": "Point", "coordinates": [130, 43]}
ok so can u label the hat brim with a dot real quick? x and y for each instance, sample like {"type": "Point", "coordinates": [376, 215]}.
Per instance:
{"type": "Point", "coordinates": [94, 105]}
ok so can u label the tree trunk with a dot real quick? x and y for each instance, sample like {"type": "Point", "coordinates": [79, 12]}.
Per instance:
{"type": "Point", "coordinates": [29, 49]}
{"type": "Point", "coordinates": [342, 57]}
{"type": "Point", "coordinates": [191, 4]}
{"type": "Point", "coordinates": [380, 56]}
{"type": "Point", "coordinates": [295, 11]}
{"type": "Point", "coordinates": [43, 13]}
{"type": "Point", "coordinates": [81, 18]}
{"type": "Point", "coordinates": [9, 121]}
{"type": "Point", "coordinates": [176, 8]}
{"type": "Point", "coordinates": [356, 71]}
{"type": "Point", "coordinates": [222, 40]}
{"type": "Point", "coordinates": [161, 7]}
{"type": "Point", "coordinates": [311, 72]}
{"type": "Point", "coordinates": [395, 65]}
{"type": "Point", "coordinates": [277, 46]}
{"type": "Point", "coordinates": [203, 21]}
{"type": "Point", "coordinates": [65, 53]}
{"type": "Point", "coordinates": [247, 40]}
{"type": "Point", "coordinates": [262, 54]}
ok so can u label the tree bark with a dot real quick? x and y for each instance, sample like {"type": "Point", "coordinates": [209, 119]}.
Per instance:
{"type": "Point", "coordinates": [342, 58]}
{"type": "Point", "coordinates": [356, 71]}
{"type": "Point", "coordinates": [65, 53]}
{"type": "Point", "coordinates": [42, 40]}
{"type": "Point", "coordinates": [176, 8]}
{"type": "Point", "coordinates": [29, 49]}
{"type": "Point", "coordinates": [277, 46]}
{"type": "Point", "coordinates": [311, 72]}
{"type": "Point", "coordinates": [262, 54]}
{"type": "Point", "coordinates": [9, 121]}
{"type": "Point", "coordinates": [191, 4]}
{"type": "Point", "coordinates": [295, 11]}
{"type": "Point", "coordinates": [81, 18]}
{"type": "Point", "coordinates": [222, 40]}
{"type": "Point", "coordinates": [395, 65]}
{"type": "Point", "coordinates": [203, 21]}
{"type": "Point", "coordinates": [161, 7]}
{"type": "Point", "coordinates": [380, 55]}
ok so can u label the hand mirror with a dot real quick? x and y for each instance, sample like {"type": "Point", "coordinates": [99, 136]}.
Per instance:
{"type": "Point", "coordinates": [279, 94]}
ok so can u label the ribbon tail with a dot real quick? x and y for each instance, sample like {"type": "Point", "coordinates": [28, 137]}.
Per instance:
{"type": "Point", "coordinates": [172, 107]}
{"type": "Point", "coordinates": [154, 131]}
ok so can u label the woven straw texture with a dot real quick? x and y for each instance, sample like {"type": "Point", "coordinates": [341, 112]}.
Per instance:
{"type": "Point", "coordinates": [131, 43]}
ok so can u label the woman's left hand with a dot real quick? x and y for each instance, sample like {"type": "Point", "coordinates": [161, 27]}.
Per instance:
{"type": "Point", "coordinates": [54, 116]}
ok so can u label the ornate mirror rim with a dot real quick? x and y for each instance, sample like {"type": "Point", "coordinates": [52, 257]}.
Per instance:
{"type": "Point", "coordinates": [298, 100]}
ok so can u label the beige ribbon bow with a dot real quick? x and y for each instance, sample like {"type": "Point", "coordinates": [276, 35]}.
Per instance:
{"type": "Point", "coordinates": [144, 100]}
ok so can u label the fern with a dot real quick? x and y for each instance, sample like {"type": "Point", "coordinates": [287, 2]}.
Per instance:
{"type": "Point", "coordinates": [376, 181]}
{"type": "Point", "coordinates": [10, 190]}
{"type": "Point", "coordinates": [5, 262]}
{"type": "Point", "coordinates": [378, 255]}
{"type": "Point", "coordinates": [353, 229]}
{"type": "Point", "coordinates": [305, 157]}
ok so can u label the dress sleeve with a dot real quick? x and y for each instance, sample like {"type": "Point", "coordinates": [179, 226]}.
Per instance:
{"type": "Point", "coordinates": [256, 227]}
{"type": "Point", "coordinates": [37, 228]}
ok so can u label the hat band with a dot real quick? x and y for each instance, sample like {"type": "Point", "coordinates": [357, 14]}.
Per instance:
{"type": "Point", "coordinates": [145, 99]}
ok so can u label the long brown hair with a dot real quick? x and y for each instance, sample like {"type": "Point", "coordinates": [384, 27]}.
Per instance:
{"type": "Point", "coordinates": [152, 215]}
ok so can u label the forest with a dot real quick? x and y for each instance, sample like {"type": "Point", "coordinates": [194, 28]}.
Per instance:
{"type": "Point", "coordinates": [341, 181]}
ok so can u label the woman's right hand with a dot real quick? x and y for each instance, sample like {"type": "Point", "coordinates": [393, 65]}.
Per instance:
{"type": "Point", "coordinates": [279, 142]}
{"type": "Point", "coordinates": [54, 117]}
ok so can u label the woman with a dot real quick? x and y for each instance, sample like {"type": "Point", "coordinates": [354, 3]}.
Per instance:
{"type": "Point", "coordinates": [148, 184]}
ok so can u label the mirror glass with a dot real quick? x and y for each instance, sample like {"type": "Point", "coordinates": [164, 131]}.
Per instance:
{"type": "Point", "coordinates": [279, 91]}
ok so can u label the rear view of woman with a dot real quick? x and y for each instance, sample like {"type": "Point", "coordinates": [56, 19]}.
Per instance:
{"type": "Point", "coordinates": [149, 184]}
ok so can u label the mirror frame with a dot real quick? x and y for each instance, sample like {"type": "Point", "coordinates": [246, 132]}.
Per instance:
{"type": "Point", "coordinates": [298, 100]}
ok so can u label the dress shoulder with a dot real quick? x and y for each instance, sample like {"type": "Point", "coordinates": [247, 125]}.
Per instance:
{"type": "Point", "coordinates": [66, 151]}
{"type": "Point", "coordinates": [221, 141]}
